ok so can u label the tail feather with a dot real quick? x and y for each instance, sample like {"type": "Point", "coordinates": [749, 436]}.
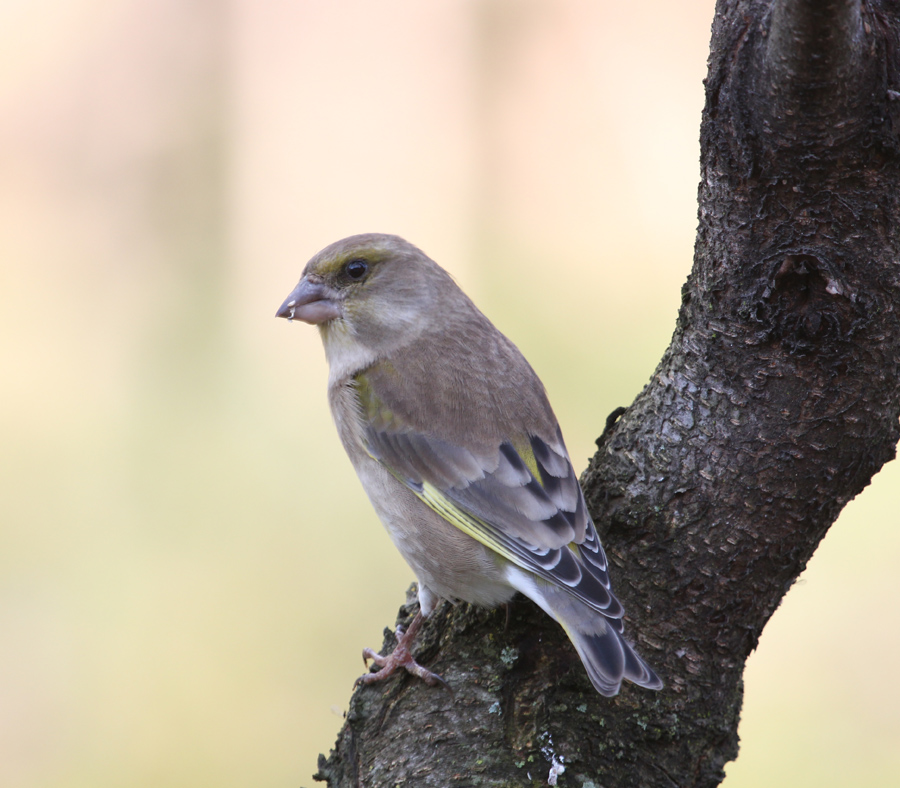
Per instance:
{"type": "Point", "coordinates": [639, 672]}
{"type": "Point", "coordinates": [607, 656]}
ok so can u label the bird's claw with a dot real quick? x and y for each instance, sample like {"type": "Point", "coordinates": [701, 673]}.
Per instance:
{"type": "Point", "coordinates": [400, 657]}
{"type": "Point", "coordinates": [390, 663]}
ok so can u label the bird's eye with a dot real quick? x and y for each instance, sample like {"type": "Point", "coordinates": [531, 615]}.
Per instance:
{"type": "Point", "coordinates": [357, 269]}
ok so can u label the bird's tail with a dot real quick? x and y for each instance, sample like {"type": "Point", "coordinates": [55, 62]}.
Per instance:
{"type": "Point", "coordinates": [607, 656]}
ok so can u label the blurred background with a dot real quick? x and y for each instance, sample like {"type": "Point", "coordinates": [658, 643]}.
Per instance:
{"type": "Point", "coordinates": [188, 566]}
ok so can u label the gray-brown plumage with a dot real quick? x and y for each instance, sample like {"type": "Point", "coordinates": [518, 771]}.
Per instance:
{"type": "Point", "coordinates": [453, 439]}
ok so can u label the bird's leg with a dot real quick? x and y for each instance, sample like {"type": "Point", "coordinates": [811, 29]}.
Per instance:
{"type": "Point", "coordinates": [401, 657]}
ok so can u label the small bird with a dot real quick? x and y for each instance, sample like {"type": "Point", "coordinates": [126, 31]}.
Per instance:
{"type": "Point", "coordinates": [453, 438]}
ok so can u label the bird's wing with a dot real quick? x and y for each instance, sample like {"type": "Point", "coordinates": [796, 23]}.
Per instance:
{"type": "Point", "coordinates": [519, 496]}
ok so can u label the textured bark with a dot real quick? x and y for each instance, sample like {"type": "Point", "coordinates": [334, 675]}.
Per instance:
{"type": "Point", "coordinates": [774, 405]}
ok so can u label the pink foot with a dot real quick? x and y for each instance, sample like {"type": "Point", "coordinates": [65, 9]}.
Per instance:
{"type": "Point", "coordinates": [400, 657]}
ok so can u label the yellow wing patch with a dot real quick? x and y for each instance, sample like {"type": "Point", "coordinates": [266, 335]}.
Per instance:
{"type": "Point", "coordinates": [524, 450]}
{"type": "Point", "coordinates": [432, 497]}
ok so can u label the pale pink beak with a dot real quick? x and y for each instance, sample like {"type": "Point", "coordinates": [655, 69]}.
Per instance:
{"type": "Point", "coordinates": [311, 302]}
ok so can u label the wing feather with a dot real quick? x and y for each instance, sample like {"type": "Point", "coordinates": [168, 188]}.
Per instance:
{"type": "Point", "coordinates": [521, 497]}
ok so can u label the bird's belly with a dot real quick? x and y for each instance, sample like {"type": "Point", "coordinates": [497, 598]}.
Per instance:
{"type": "Point", "coordinates": [447, 561]}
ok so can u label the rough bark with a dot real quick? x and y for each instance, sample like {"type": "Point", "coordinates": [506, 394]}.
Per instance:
{"type": "Point", "coordinates": [774, 405]}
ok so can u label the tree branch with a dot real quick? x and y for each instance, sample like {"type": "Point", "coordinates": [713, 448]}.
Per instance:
{"type": "Point", "coordinates": [816, 66]}
{"type": "Point", "coordinates": [814, 42]}
{"type": "Point", "coordinates": [776, 402]}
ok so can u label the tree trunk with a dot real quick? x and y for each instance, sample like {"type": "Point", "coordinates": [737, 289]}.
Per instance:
{"type": "Point", "coordinates": [774, 405]}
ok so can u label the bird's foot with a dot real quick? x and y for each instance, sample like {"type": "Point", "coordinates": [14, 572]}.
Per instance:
{"type": "Point", "coordinates": [400, 657]}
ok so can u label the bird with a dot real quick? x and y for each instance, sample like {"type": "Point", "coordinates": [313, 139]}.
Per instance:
{"type": "Point", "coordinates": [452, 436]}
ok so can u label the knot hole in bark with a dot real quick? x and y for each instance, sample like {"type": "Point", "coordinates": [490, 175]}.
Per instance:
{"type": "Point", "coordinates": [806, 305]}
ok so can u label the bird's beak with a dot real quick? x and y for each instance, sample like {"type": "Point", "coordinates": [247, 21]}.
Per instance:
{"type": "Point", "coordinates": [311, 302]}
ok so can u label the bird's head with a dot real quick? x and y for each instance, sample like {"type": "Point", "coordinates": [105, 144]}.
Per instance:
{"type": "Point", "coordinates": [375, 291]}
